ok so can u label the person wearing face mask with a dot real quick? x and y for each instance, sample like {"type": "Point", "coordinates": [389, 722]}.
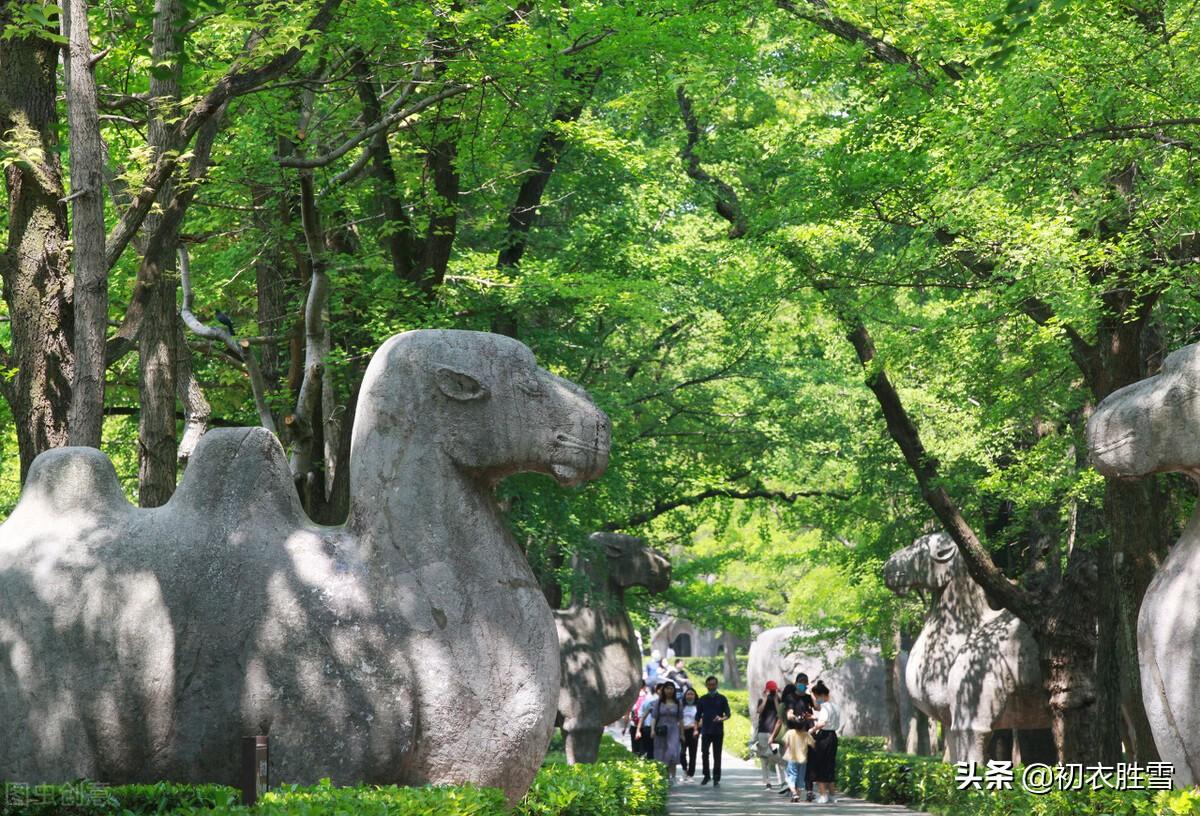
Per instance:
{"type": "Point", "coordinates": [802, 712]}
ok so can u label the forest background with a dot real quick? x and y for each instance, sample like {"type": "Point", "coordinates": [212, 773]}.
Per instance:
{"type": "Point", "coordinates": [840, 273]}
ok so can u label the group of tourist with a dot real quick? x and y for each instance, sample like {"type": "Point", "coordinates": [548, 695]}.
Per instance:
{"type": "Point", "coordinates": [671, 722]}
{"type": "Point", "coordinates": [795, 739]}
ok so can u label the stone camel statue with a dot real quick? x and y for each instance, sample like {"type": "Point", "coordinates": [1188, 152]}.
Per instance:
{"type": "Point", "coordinates": [974, 669]}
{"type": "Point", "coordinates": [1153, 426]}
{"type": "Point", "coordinates": [858, 684]}
{"type": "Point", "coordinates": [411, 645]}
{"type": "Point", "coordinates": [601, 665]}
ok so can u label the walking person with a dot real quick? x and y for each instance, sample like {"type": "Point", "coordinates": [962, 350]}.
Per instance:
{"type": "Point", "coordinates": [635, 717]}
{"type": "Point", "coordinates": [823, 756]}
{"type": "Point", "coordinates": [679, 676]}
{"type": "Point", "coordinates": [803, 711]}
{"type": "Point", "coordinates": [767, 715]}
{"type": "Point", "coordinates": [653, 666]}
{"type": "Point", "coordinates": [713, 711]}
{"type": "Point", "coordinates": [668, 728]}
{"type": "Point", "coordinates": [691, 733]}
{"type": "Point", "coordinates": [645, 731]}
{"type": "Point", "coordinates": [797, 742]}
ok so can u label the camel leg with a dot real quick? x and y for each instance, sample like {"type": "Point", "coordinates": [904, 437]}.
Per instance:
{"type": "Point", "coordinates": [583, 745]}
{"type": "Point", "coordinates": [967, 745]}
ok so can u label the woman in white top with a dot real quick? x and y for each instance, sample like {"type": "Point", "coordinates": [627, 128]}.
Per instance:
{"type": "Point", "coordinates": [691, 734]}
{"type": "Point", "coordinates": [822, 759]}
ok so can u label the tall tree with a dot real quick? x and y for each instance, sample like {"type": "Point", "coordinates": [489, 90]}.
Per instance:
{"type": "Point", "coordinates": [35, 263]}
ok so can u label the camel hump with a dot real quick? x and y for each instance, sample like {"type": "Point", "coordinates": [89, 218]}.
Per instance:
{"type": "Point", "coordinates": [239, 471]}
{"type": "Point", "coordinates": [69, 480]}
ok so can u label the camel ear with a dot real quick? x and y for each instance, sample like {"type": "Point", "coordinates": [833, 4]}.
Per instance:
{"type": "Point", "coordinates": [944, 549]}
{"type": "Point", "coordinates": [458, 385]}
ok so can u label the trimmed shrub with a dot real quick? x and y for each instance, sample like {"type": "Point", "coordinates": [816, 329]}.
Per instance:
{"type": "Point", "coordinates": [619, 785]}
{"type": "Point", "coordinates": [926, 783]}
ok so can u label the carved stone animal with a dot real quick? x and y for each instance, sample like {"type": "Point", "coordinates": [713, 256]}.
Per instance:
{"type": "Point", "coordinates": [1153, 426]}
{"type": "Point", "coordinates": [972, 668]}
{"type": "Point", "coordinates": [601, 665]}
{"type": "Point", "coordinates": [858, 684]}
{"type": "Point", "coordinates": [411, 645]}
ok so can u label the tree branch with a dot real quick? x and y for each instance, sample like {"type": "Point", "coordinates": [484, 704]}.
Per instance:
{"type": "Point", "coordinates": [741, 494]}
{"type": "Point", "coordinates": [241, 351]}
{"type": "Point", "coordinates": [925, 467]}
{"type": "Point", "coordinates": [236, 82]}
{"type": "Point", "coordinates": [819, 14]}
{"type": "Point", "coordinates": [728, 206]}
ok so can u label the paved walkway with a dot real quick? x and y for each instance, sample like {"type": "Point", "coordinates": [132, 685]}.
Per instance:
{"type": "Point", "coordinates": [742, 794]}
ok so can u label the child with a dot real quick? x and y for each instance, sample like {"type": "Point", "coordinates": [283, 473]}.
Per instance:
{"type": "Point", "coordinates": [796, 743]}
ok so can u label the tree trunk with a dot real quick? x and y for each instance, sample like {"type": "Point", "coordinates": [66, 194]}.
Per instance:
{"type": "Point", "coordinates": [35, 266]}
{"type": "Point", "coordinates": [1137, 517]}
{"type": "Point", "coordinates": [397, 236]}
{"type": "Point", "coordinates": [272, 297]}
{"type": "Point", "coordinates": [159, 329]}
{"type": "Point", "coordinates": [196, 410]}
{"type": "Point", "coordinates": [157, 365]}
{"type": "Point", "coordinates": [893, 681]}
{"type": "Point", "coordinates": [547, 574]}
{"type": "Point", "coordinates": [1063, 620]}
{"type": "Point", "coordinates": [729, 664]}
{"type": "Point", "coordinates": [88, 263]}
{"type": "Point", "coordinates": [529, 197]}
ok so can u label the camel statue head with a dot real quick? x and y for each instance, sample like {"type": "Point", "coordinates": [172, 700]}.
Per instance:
{"type": "Point", "coordinates": [632, 563]}
{"type": "Point", "coordinates": [481, 402]}
{"type": "Point", "coordinates": [929, 563]}
{"type": "Point", "coordinates": [1147, 427]}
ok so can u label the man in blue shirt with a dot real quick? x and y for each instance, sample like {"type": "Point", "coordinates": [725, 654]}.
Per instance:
{"type": "Point", "coordinates": [712, 710]}
{"type": "Point", "coordinates": [652, 669]}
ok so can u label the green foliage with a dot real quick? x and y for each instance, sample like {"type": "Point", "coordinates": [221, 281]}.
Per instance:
{"type": "Point", "coordinates": [604, 789]}
{"type": "Point", "coordinates": [927, 784]}
{"type": "Point", "coordinates": [739, 729]}
{"type": "Point", "coordinates": [618, 785]}
{"type": "Point", "coordinates": [700, 667]}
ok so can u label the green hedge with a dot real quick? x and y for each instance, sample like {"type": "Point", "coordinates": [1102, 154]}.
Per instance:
{"type": "Point", "coordinates": [700, 667]}
{"type": "Point", "coordinates": [739, 730]}
{"type": "Point", "coordinates": [925, 783]}
{"type": "Point", "coordinates": [619, 785]}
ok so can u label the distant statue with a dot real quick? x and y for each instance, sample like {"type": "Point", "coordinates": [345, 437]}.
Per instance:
{"type": "Point", "coordinates": [974, 669]}
{"type": "Point", "coordinates": [601, 665]}
{"type": "Point", "coordinates": [412, 645]}
{"type": "Point", "coordinates": [1153, 426]}
{"type": "Point", "coordinates": [859, 682]}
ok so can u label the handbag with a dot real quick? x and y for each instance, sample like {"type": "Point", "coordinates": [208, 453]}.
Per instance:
{"type": "Point", "coordinates": [659, 730]}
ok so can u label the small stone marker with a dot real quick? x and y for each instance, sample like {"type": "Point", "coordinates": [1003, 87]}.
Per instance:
{"type": "Point", "coordinates": [255, 763]}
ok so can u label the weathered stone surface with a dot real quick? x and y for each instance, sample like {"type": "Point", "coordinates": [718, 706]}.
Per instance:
{"type": "Point", "coordinates": [972, 668]}
{"type": "Point", "coordinates": [601, 666]}
{"type": "Point", "coordinates": [412, 645]}
{"type": "Point", "coordinates": [1153, 426]}
{"type": "Point", "coordinates": [857, 684]}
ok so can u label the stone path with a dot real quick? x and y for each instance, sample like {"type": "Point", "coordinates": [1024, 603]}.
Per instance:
{"type": "Point", "coordinates": [742, 794]}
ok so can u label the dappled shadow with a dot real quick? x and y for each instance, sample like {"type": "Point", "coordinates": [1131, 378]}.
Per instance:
{"type": "Point", "coordinates": [858, 683]}
{"type": "Point", "coordinates": [601, 666]}
{"type": "Point", "coordinates": [138, 645]}
{"type": "Point", "coordinates": [973, 668]}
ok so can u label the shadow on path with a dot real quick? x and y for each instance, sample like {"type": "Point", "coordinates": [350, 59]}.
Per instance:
{"type": "Point", "coordinates": [742, 794]}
